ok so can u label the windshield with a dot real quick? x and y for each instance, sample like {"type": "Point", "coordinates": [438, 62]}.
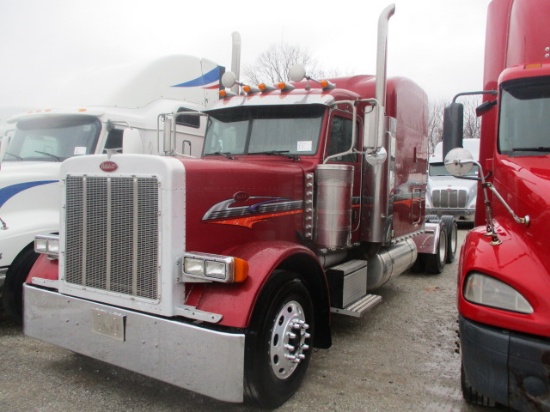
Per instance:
{"type": "Point", "coordinates": [292, 130]}
{"type": "Point", "coordinates": [54, 138]}
{"type": "Point", "coordinates": [438, 169]}
{"type": "Point", "coordinates": [525, 118]}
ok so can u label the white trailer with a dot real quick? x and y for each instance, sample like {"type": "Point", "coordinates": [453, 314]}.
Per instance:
{"type": "Point", "coordinates": [133, 108]}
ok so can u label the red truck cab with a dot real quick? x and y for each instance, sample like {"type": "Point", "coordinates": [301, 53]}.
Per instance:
{"type": "Point", "coordinates": [504, 267]}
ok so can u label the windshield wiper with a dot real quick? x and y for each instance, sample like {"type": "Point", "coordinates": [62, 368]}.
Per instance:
{"type": "Point", "coordinates": [49, 154]}
{"type": "Point", "coordinates": [14, 155]}
{"type": "Point", "coordinates": [226, 154]}
{"type": "Point", "coordinates": [531, 149]}
{"type": "Point", "coordinates": [282, 153]}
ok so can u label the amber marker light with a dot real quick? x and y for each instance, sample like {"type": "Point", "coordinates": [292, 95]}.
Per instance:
{"type": "Point", "coordinates": [240, 270]}
{"type": "Point", "coordinates": [283, 86]}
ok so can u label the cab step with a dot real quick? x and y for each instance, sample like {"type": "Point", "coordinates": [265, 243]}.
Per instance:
{"type": "Point", "coordinates": [358, 308]}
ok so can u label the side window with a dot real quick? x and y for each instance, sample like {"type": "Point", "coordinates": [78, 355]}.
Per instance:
{"type": "Point", "coordinates": [114, 139]}
{"type": "Point", "coordinates": [189, 120]}
{"type": "Point", "coordinates": [339, 139]}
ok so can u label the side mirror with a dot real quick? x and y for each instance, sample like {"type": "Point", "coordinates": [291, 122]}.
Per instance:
{"type": "Point", "coordinates": [376, 158]}
{"type": "Point", "coordinates": [229, 79]}
{"type": "Point", "coordinates": [453, 127]}
{"type": "Point", "coordinates": [297, 73]}
{"type": "Point", "coordinates": [131, 141]}
{"type": "Point", "coordinates": [485, 107]}
{"type": "Point", "coordinates": [459, 162]}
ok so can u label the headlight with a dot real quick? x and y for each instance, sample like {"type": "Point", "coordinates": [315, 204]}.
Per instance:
{"type": "Point", "coordinates": [214, 267]}
{"type": "Point", "coordinates": [487, 291]}
{"type": "Point", "coordinates": [47, 244]}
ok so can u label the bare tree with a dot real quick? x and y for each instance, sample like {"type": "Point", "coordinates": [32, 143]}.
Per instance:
{"type": "Point", "coordinates": [435, 123]}
{"type": "Point", "coordinates": [471, 121]}
{"type": "Point", "coordinates": [273, 65]}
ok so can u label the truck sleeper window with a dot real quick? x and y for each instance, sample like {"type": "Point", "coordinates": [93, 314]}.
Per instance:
{"type": "Point", "coordinates": [247, 130]}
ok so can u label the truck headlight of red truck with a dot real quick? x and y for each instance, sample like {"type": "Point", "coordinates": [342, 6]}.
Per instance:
{"type": "Point", "coordinates": [487, 291]}
{"type": "Point", "coordinates": [216, 268]}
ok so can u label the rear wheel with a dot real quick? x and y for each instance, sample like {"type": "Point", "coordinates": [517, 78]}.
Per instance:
{"type": "Point", "coordinates": [277, 351]}
{"type": "Point", "coordinates": [12, 291]}
{"type": "Point", "coordinates": [436, 262]}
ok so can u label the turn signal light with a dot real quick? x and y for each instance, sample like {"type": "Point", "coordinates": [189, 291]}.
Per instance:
{"type": "Point", "coordinates": [216, 268]}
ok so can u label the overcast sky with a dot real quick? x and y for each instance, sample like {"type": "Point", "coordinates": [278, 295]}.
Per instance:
{"type": "Point", "coordinates": [45, 43]}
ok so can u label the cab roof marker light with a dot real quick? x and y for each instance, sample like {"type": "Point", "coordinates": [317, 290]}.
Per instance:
{"type": "Point", "coordinates": [225, 94]}
{"type": "Point", "coordinates": [265, 88]}
{"type": "Point", "coordinates": [250, 89]}
{"type": "Point", "coordinates": [284, 86]}
{"type": "Point", "coordinates": [327, 85]}
{"type": "Point", "coordinates": [533, 66]}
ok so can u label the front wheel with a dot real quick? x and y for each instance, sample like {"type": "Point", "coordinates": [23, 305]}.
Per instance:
{"type": "Point", "coordinates": [278, 342]}
{"type": "Point", "coordinates": [12, 291]}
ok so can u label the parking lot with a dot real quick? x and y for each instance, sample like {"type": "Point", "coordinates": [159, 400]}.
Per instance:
{"type": "Point", "coordinates": [401, 356]}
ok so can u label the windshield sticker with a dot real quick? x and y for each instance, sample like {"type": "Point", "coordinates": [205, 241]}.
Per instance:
{"type": "Point", "coordinates": [304, 146]}
{"type": "Point", "coordinates": [80, 150]}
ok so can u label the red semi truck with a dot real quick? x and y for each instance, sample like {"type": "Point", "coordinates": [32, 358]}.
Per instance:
{"type": "Point", "coordinates": [504, 268]}
{"type": "Point", "coordinates": [219, 274]}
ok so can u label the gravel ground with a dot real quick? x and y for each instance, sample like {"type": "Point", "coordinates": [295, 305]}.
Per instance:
{"type": "Point", "coordinates": [401, 356]}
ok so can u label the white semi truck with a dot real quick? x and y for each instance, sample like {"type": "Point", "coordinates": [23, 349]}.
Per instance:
{"type": "Point", "coordinates": [130, 108]}
{"type": "Point", "coordinates": [449, 195]}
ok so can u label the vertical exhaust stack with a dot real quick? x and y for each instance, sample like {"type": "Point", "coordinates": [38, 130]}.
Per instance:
{"type": "Point", "coordinates": [381, 54]}
{"type": "Point", "coordinates": [377, 170]}
{"type": "Point", "coordinates": [236, 60]}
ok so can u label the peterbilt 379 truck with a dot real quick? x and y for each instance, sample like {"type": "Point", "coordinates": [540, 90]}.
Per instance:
{"type": "Point", "coordinates": [109, 108]}
{"type": "Point", "coordinates": [220, 274]}
{"type": "Point", "coordinates": [504, 268]}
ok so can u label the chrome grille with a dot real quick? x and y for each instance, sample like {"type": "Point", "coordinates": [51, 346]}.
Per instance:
{"type": "Point", "coordinates": [112, 234]}
{"type": "Point", "coordinates": [449, 198]}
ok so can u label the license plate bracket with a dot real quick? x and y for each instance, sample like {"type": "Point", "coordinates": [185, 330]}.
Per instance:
{"type": "Point", "coordinates": [109, 324]}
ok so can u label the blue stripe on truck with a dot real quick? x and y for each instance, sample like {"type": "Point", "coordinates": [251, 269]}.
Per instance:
{"type": "Point", "coordinates": [207, 78]}
{"type": "Point", "coordinates": [8, 192]}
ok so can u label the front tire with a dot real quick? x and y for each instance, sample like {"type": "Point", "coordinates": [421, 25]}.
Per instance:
{"type": "Point", "coordinates": [279, 340]}
{"type": "Point", "coordinates": [12, 291]}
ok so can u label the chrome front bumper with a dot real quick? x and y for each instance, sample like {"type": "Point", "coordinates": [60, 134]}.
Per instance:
{"type": "Point", "coordinates": [460, 215]}
{"type": "Point", "coordinates": [191, 357]}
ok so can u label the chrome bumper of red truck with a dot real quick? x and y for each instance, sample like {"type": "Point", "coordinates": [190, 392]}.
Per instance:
{"type": "Point", "coordinates": [191, 357]}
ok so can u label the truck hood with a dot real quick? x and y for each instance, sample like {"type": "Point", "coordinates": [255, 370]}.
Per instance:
{"type": "Point", "coordinates": [524, 182]}
{"type": "Point", "coordinates": [19, 177]}
{"type": "Point", "coordinates": [228, 198]}
{"type": "Point", "coordinates": [449, 182]}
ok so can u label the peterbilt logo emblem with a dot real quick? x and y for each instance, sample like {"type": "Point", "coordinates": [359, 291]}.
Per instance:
{"type": "Point", "coordinates": [108, 166]}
